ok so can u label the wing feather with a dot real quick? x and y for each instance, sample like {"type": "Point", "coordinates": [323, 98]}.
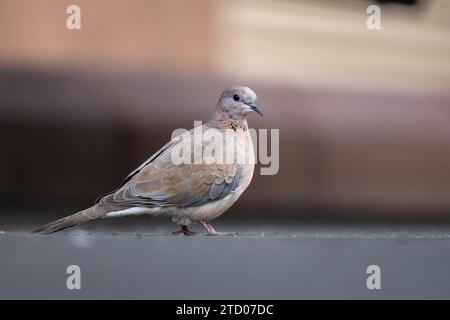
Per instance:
{"type": "Point", "coordinates": [160, 182]}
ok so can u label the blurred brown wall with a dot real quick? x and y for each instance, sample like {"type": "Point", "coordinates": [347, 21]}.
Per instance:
{"type": "Point", "coordinates": [114, 33]}
{"type": "Point", "coordinates": [363, 117]}
{"type": "Point", "coordinates": [68, 138]}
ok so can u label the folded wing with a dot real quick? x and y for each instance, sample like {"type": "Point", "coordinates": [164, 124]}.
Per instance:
{"type": "Point", "coordinates": [159, 182]}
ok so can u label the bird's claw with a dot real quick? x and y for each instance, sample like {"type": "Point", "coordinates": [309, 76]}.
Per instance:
{"type": "Point", "coordinates": [210, 231]}
{"type": "Point", "coordinates": [184, 231]}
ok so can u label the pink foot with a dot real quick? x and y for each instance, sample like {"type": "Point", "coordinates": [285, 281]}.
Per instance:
{"type": "Point", "coordinates": [184, 230]}
{"type": "Point", "coordinates": [210, 231]}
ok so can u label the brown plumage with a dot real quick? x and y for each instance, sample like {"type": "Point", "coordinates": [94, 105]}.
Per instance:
{"type": "Point", "coordinates": [184, 192]}
{"type": "Point", "coordinates": [94, 212]}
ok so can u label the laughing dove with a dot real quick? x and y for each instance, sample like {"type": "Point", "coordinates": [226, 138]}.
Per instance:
{"type": "Point", "coordinates": [176, 183]}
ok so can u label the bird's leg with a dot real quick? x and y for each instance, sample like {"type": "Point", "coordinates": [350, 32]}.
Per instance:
{"type": "Point", "coordinates": [210, 231]}
{"type": "Point", "coordinates": [209, 228]}
{"type": "Point", "coordinates": [184, 230]}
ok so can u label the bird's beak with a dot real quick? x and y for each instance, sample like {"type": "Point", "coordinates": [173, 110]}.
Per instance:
{"type": "Point", "coordinates": [255, 108]}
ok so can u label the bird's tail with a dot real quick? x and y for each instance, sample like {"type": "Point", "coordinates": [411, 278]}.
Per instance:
{"type": "Point", "coordinates": [94, 212]}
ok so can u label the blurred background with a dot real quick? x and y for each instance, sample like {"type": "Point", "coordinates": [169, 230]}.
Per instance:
{"type": "Point", "coordinates": [364, 115]}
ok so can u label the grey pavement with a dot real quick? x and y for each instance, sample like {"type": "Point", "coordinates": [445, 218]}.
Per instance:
{"type": "Point", "coordinates": [265, 261]}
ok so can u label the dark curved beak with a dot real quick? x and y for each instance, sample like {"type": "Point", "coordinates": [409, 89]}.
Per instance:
{"type": "Point", "coordinates": [255, 108]}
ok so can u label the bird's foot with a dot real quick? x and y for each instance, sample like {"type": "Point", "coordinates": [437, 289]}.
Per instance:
{"type": "Point", "coordinates": [210, 231]}
{"type": "Point", "coordinates": [185, 231]}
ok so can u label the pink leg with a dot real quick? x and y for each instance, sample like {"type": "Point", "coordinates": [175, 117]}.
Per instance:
{"type": "Point", "coordinates": [210, 231]}
{"type": "Point", "coordinates": [209, 228]}
{"type": "Point", "coordinates": [184, 230]}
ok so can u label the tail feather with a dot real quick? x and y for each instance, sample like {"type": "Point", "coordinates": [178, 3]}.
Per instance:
{"type": "Point", "coordinates": [94, 212]}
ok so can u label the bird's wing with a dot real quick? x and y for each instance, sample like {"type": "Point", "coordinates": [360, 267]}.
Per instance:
{"type": "Point", "coordinates": [159, 182]}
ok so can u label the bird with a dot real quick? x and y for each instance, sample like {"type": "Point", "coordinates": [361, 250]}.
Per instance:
{"type": "Point", "coordinates": [188, 189]}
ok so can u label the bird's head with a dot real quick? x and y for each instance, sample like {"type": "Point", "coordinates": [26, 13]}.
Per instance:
{"type": "Point", "coordinates": [238, 101]}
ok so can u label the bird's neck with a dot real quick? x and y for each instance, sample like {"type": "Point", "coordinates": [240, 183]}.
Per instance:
{"type": "Point", "coordinates": [227, 121]}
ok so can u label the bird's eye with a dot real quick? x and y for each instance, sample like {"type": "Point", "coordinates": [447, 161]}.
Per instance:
{"type": "Point", "coordinates": [236, 97]}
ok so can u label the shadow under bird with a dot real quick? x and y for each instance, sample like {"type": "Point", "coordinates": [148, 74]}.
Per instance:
{"type": "Point", "coordinates": [190, 191]}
